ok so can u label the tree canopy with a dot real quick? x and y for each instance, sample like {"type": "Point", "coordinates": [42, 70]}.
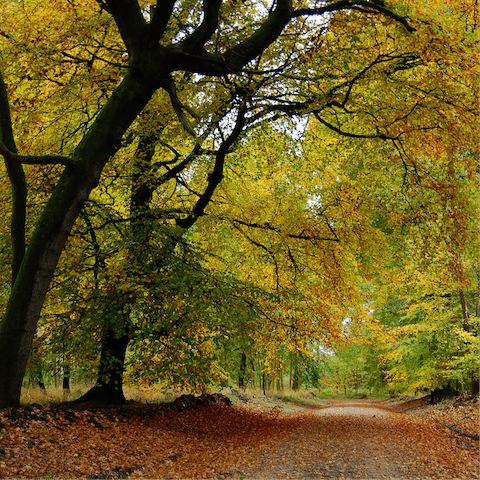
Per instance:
{"type": "Point", "coordinates": [233, 177]}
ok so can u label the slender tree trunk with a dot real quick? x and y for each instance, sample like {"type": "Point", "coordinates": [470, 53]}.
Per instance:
{"type": "Point", "coordinates": [474, 383]}
{"type": "Point", "coordinates": [290, 377]}
{"type": "Point", "coordinates": [40, 382]}
{"type": "Point", "coordinates": [243, 369]}
{"type": "Point", "coordinates": [77, 181]}
{"type": "Point", "coordinates": [296, 374]}
{"type": "Point", "coordinates": [66, 381]}
{"type": "Point", "coordinates": [465, 311]}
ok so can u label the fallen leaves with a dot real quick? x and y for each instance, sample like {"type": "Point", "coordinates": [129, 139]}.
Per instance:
{"type": "Point", "coordinates": [146, 441]}
{"type": "Point", "coordinates": [362, 442]}
{"type": "Point", "coordinates": [215, 441]}
{"type": "Point", "coordinates": [459, 415]}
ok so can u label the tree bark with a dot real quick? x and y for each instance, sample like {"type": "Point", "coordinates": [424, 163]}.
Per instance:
{"type": "Point", "coordinates": [66, 379]}
{"type": "Point", "coordinates": [109, 387]}
{"type": "Point", "coordinates": [66, 383]}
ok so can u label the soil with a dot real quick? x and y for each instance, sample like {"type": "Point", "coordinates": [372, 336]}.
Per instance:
{"type": "Point", "coordinates": [356, 438]}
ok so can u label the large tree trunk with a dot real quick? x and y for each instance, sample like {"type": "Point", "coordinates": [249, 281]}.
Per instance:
{"type": "Point", "coordinates": [109, 387]}
{"type": "Point", "coordinates": [77, 181]}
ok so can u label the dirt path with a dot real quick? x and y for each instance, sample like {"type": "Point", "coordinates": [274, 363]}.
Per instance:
{"type": "Point", "coordinates": [364, 439]}
{"type": "Point", "coordinates": [266, 438]}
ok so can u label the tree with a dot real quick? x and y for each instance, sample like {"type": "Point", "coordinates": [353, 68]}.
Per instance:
{"type": "Point", "coordinates": [257, 63]}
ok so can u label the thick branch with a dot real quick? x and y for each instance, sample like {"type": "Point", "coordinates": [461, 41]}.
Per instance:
{"type": "Point", "coordinates": [190, 55]}
{"type": "Point", "coordinates": [129, 19]}
{"type": "Point", "coordinates": [195, 42]}
{"type": "Point", "coordinates": [35, 159]}
{"type": "Point", "coordinates": [261, 39]}
{"type": "Point", "coordinates": [17, 179]}
{"type": "Point", "coordinates": [160, 17]}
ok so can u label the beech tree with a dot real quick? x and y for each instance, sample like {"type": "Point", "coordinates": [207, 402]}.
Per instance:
{"type": "Point", "coordinates": [257, 62]}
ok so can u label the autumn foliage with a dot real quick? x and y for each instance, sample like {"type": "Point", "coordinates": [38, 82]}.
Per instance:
{"type": "Point", "coordinates": [219, 192]}
{"type": "Point", "coordinates": [215, 440]}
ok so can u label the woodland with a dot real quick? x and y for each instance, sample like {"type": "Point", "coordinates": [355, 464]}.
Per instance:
{"type": "Point", "coordinates": [220, 193]}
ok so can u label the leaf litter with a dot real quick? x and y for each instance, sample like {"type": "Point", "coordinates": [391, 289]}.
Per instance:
{"type": "Point", "coordinates": [198, 439]}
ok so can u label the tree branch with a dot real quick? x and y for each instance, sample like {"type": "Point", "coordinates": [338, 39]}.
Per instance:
{"type": "Point", "coordinates": [161, 15]}
{"type": "Point", "coordinates": [196, 41]}
{"type": "Point", "coordinates": [338, 130]}
{"type": "Point", "coordinates": [171, 89]}
{"type": "Point", "coordinates": [268, 226]}
{"type": "Point", "coordinates": [17, 180]}
{"type": "Point", "coordinates": [237, 57]}
{"type": "Point", "coordinates": [35, 159]}
{"type": "Point", "coordinates": [368, 7]}
{"type": "Point", "coordinates": [216, 176]}
{"type": "Point", "coordinates": [130, 22]}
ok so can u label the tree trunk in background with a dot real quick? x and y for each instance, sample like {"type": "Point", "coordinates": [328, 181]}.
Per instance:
{"type": "Point", "coordinates": [109, 387]}
{"type": "Point", "coordinates": [115, 338]}
{"type": "Point", "coordinates": [295, 374]}
{"type": "Point", "coordinates": [40, 382]}
{"type": "Point", "coordinates": [243, 369]}
{"type": "Point", "coordinates": [66, 382]}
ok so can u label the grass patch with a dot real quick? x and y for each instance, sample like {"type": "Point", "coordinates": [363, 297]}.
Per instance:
{"type": "Point", "coordinates": [151, 394]}
{"type": "Point", "coordinates": [31, 395]}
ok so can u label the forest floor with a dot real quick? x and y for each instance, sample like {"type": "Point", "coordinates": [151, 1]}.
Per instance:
{"type": "Point", "coordinates": [256, 437]}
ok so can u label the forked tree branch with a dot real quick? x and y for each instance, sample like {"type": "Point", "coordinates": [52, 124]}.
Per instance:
{"type": "Point", "coordinates": [196, 41]}
{"type": "Point", "coordinates": [216, 176]}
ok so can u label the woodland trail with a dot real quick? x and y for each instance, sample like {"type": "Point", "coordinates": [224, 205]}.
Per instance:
{"type": "Point", "coordinates": [261, 438]}
{"type": "Point", "coordinates": [364, 439]}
